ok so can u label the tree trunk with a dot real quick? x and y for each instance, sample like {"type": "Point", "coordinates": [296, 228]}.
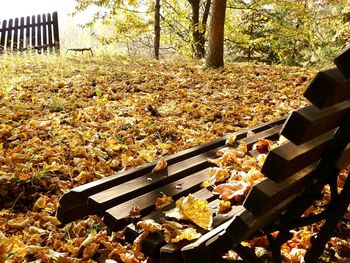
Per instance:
{"type": "Point", "coordinates": [215, 56]}
{"type": "Point", "coordinates": [157, 29]}
{"type": "Point", "coordinates": [204, 27]}
{"type": "Point", "coordinates": [196, 48]}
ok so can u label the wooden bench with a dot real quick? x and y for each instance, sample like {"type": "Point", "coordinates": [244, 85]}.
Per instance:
{"type": "Point", "coordinates": [82, 50]}
{"type": "Point", "coordinates": [296, 172]}
{"type": "Point", "coordinates": [38, 33]}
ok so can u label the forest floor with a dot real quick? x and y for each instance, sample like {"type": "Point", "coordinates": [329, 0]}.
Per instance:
{"type": "Point", "coordinates": [66, 121]}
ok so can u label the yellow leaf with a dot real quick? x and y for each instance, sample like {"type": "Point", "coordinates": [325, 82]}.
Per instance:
{"type": "Point", "coordinates": [162, 164]}
{"type": "Point", "coordinates": [40, 203]}
{"type": "Point", "coordinates": [149, 225]}
{"type": "Point", "coordinates": [193, 209]}
{"type": "Point", "coordinates": [231, 139]}
{"type": "Point", "coordinates": [175, 232]}
{"type": "Point", "coordinates": [186, 234]}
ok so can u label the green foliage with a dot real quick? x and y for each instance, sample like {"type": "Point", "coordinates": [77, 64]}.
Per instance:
{"type": "Point", "coordinates": [288, 32]}
{"type": "Point", "coordinates": [305, 32]}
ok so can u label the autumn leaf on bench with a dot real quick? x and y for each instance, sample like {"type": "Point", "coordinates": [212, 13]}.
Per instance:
{"type": "Point", "coordinates": [162, 164]}
{"type": "Point", "coordinates": [193, 209]}
{"type": "Point", "coordinates": [175, 232]}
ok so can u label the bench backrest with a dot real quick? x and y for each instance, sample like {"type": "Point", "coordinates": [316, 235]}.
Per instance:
{"type": "Point", "coordinates": [318, 148]}
{"type": "Point", "coordinates": [36, 32]}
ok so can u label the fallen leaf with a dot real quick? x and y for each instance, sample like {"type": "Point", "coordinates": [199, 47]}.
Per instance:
{"type": "Point", "coordinates": [162, 164]}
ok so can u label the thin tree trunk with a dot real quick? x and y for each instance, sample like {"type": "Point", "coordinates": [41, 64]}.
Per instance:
{"type": "Point", "coordinates": [215, 56]}
{"type": "Point", "coordinates": [204, 27]}
{"type": "Point", "coordinates": [157, 29]}
{"type": "Point", "coordinates": [195, 29]}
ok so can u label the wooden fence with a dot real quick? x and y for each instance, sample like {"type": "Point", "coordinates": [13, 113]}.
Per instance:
{"type": "Point", "coordinates": [38, 33]}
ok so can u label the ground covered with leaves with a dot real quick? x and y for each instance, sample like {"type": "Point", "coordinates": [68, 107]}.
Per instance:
{"type": "Point", "coordinates": [66, 121]}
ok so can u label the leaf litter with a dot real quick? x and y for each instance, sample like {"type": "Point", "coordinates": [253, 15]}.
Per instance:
{"type": "Point", "coordinates": [68, 121]}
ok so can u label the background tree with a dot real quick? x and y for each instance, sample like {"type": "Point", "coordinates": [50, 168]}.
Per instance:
{"type": "Point", "coordinates": [215, 57]}
{"type": "Point", "coordinates": [157, 29]}
{"type": "Point", "coordinates": [198, 27]}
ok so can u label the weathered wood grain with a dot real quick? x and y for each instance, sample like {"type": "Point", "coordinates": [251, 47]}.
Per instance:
{"type": "Point", "coordinates": [310, 122]}
{"type": "Point", "coordinates": [329, 87]}
{"type": "Point", "coordinates": [282, 162]}
{"type": "Point", "coordinates": [267, 194]}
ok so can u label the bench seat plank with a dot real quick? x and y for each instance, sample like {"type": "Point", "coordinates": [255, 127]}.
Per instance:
{"type": "Point", "coordinates": [99, 202]}
{"type": "Point", "coordinates": [310, 122]}
{"type": "Point", "coordinates": [117, 216]}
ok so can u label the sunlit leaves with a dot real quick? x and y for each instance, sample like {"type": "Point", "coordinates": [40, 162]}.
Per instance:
{"type": "Point", "coordinates": [193, 209]}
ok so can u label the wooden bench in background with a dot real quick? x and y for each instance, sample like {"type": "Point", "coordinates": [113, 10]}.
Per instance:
{"type": "Point", "coordinates": [82, 50]}
{"type": "Point", "coordinates": [39, 33]}
{"type": "Point", "coordinates": [296, 172]}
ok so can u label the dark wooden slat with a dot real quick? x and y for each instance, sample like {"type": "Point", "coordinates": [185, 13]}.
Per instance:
{"type": "Point", "coordinates": [310, 122]}
{"type": "Point", "coordinates": [267, 125]}
{"type": "Point", "coordinates": [28, 33]}
{"type": "Point", "coordinates": [343, 61]}
{"type": "Point", "coordinates": [38, 33]}
{"type": "Point", "coordinates": [245, 224]}
{"type": "Point", "coordinates": [267, 194]}
{"type": "Point", "coordinates": [329, 87]}
{"type": "Point", "coordinates": [100, 202]}
{"type": "Point", "coordinates": [56, 35]}
{"type": "Point", "coordinates": [289, 158]}
{"type": "Point", "coordinates": [15, 35]}
{"type": "Point", "coordinates": [33, 33]}
{"type": "Point", "coordinates": [271, 134]}
{"type": "Point", "coordinates": [45, 25]}
{"type": "Point", "coordinates": [9, 35]}
{"type": "Point", "coordinates": [21, 34]}
{"type": "Point", "coordinates": [50, 33]}
{"type": "Point", "coordinates": [117, 217]}
{"type": "Point", "coordinates": [3, 36]}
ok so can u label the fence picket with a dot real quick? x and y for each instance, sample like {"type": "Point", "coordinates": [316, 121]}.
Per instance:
{"type": "Point", "coordinates": [28, 35]}
{"type": "Point", "coordinates": [38, 34]}
{"type": "Point", "coordinates": [3, 36]}
{"type": "Point", "coordinates": [9, 35]}
{"type": "Point", "coordinates": [21, 34]}
{"type": "Point", "coordinates": [45, 25]}
{"type": "Point", "coordinates": [15, 35]}
{"type": "Point", "coordinates": [33, 32]}
{"type": "Point", "coordinates": [55, 31]}
{"type": "Point", "coordinates": [50, 24]}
